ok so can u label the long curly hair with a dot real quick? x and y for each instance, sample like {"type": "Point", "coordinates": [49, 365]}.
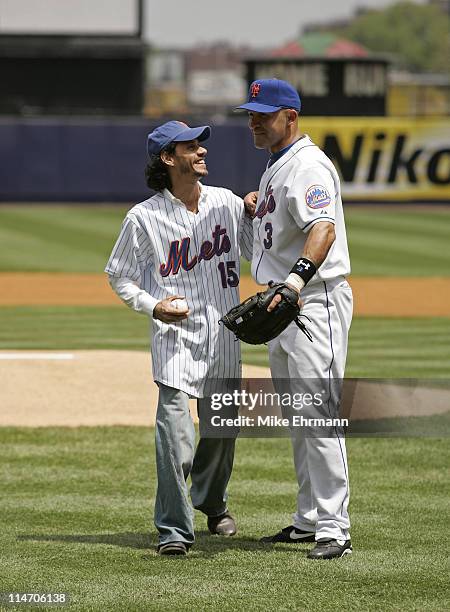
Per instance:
{"type": "Point", "coordinates": [156, 172]}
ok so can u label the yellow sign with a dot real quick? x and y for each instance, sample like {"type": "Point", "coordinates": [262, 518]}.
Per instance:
{"type": "Point", "coordinates": [386, 158]}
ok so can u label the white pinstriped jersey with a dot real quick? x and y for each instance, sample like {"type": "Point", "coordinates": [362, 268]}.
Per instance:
{"type": "Point", "coordinates": [300, 189]}
{"type": "Point", "coordinates": [168, 250]}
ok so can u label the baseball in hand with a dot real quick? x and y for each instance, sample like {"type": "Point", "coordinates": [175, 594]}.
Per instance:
{"type": "Point", "coordinates": [179, 304]}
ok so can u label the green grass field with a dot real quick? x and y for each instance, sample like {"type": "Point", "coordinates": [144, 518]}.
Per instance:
{"type": "Point", "coordinates": [385, 242]}
{"type": "Point", "coordinates": [378, 347]}
{"type": "Point", "coordinates": [76, 516]}
{"type": "Point", "coordinates": [76, 505]}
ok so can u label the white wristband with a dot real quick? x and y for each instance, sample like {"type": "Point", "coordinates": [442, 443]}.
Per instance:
{"type": "Point", "coordinates": [296, 281]}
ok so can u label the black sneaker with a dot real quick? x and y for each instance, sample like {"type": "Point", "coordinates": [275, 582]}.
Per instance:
{"type": "Point", "coordinates": [290, 535]}
{"type": "Point", "coordinates": [330, 549]}
{"type": "Point", "coordinates": [173, 548]}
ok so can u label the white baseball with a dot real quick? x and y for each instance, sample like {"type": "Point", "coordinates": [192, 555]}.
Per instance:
{"type": "Point", "coordinates": [179, 304]}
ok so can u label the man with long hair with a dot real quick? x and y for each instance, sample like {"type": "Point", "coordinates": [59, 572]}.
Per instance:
{"type": "Point", "coordinates": [177, 260]}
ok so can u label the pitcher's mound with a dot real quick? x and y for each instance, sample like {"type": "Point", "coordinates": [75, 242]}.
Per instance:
{"type": "Point", "coordinates": [74, 388]}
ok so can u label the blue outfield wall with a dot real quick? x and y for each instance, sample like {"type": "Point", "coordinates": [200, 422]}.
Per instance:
{"type": "Point", "coordinates": [104, 160]}
{"type": "Point", "coordinates": [380, 159]}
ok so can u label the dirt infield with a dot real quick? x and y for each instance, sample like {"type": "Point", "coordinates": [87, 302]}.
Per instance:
{"type": "Point", "coordinates": [402, 297]}
{"type": "Point", "coordinates": [90, 388]}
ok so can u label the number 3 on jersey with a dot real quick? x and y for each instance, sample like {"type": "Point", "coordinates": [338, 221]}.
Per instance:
{"type": "Point", "coordinates": [268, 239]}
{"type": "Point", "coordinates": [228, 276]}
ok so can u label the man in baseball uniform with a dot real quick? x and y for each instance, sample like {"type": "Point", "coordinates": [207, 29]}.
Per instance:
{"type": "Point", "coordinates": [300, 239]}
{"type": "Point", "coordinates": [177, 261]}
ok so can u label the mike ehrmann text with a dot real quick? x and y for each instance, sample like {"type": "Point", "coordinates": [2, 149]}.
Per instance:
{"type": "Point", "coordinates": [298, 420]}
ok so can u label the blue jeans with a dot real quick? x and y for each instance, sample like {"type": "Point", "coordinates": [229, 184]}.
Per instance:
{"type": "Point", "coordinates": [209, 465]}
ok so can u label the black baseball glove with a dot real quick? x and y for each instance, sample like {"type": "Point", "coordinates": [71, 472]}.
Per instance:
{"type": "Point", "coordinates": [251, 321]}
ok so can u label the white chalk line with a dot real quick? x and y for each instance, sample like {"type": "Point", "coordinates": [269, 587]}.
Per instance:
{"type": "Point", "coordinates": [36, 356]}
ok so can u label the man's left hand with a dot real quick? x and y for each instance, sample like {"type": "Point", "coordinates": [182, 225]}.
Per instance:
{"type": "Point", "coordinates": [250, 203]}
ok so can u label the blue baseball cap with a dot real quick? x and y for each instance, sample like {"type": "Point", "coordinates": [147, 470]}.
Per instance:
{"type": "Point", "coordinates": [174, 131]}
{"type": "Point", "coordinates": [271, 95]}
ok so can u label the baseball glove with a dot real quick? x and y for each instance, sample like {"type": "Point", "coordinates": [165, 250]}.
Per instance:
{"type": "Point", "coordinates": [252, 323]}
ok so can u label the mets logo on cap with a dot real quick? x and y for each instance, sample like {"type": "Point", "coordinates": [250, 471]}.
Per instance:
{"type": "Point", "coordinates": [317, 197]}
{"type": "Point", "coordinates": [255, 89]}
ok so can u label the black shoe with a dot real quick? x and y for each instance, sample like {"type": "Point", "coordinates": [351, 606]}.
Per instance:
{"type": "Point", "coordinates": [290, 535]}
{"type": "Point", "coordinates": [330, 549]}
{"type": "Point", "coordinates": [173, 548]}
{"type": "Point", "coordinates": [223, 525]}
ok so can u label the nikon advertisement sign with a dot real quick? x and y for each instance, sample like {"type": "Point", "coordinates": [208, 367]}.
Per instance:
{"type": "Point", "coordinates": [386, 159]}
{"type": "Point", "coordinates": [379, 159]}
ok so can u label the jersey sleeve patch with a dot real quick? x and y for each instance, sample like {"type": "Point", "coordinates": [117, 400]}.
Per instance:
{"type": "Point", "coordinates": [317, 196]}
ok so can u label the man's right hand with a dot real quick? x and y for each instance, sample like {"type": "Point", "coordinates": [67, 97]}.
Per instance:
{"type": "Point", "coordinates": [165, 312]}
{"type": "Point", "coordinates": [277, 299]}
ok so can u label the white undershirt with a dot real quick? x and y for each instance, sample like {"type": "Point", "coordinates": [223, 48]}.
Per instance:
{"type": "Point", "coordinates": [134, 297]}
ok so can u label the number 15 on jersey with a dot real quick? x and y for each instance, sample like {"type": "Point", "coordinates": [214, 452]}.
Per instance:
{"type": "Point", "coordinates": [228, 275]}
